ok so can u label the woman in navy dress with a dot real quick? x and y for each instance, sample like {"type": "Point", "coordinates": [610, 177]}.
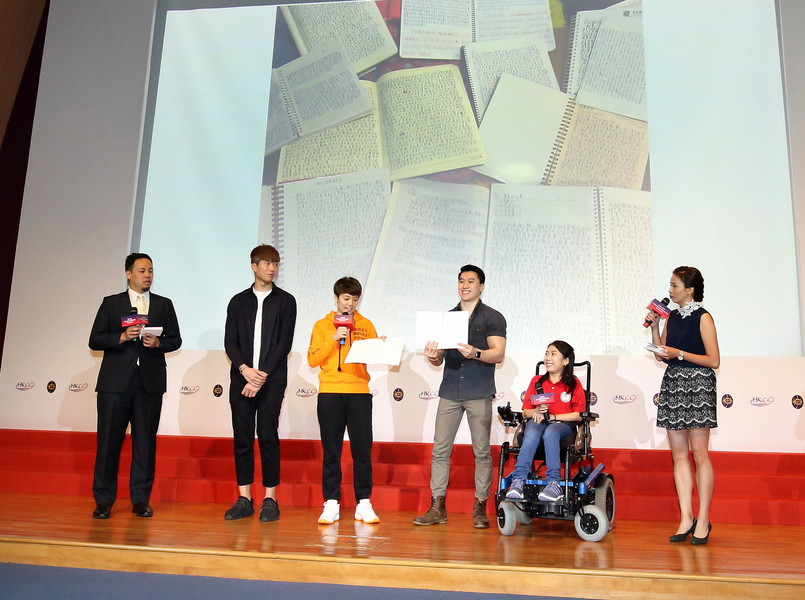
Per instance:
{"type": "Point", "coordinates": [687, 404]}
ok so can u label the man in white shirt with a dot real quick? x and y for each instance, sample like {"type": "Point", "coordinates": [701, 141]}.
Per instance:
{"type": "Point", "coordinates": [258, 335]}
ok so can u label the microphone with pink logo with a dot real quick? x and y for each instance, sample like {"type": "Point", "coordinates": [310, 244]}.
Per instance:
{"type": "Point", "coordinates": [344, 320]}
{"type": "Point", "coordinates": [658, 308]}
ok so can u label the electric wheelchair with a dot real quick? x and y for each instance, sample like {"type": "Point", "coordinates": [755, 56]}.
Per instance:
{"type": "Point", "coordinates": [588, 493]}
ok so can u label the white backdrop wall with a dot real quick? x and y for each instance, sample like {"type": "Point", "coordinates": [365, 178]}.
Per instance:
{"type": "Point", "coordinates": [76, 226]}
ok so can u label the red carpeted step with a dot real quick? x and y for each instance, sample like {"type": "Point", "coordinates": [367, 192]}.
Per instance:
{"type": "Point", "coordinates": [750, 487]}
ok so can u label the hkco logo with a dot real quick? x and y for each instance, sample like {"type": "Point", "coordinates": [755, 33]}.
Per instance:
{"type": "Point", "coordinates": [24, 387]}
{"type": "Point", "coordinates": [761, 401]}
{"type": "Point", "coordinates": [188, 389]}
{"type": "Point", "coordinates": [78, 387]}
{"type": "Point", "coordinates": [624, 399]}
{"type": "Point", "coordinates": [305, 393]}
{"type": "Point", "coordinates": [427, 395]}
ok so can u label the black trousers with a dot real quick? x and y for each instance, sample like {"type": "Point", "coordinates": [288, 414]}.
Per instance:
{"type": "Point", "coordinates": [353, 413]}
{"type": "Point", "coordinates": [263, 411]}
{"type": "Point", "coordinates": [115, 412]}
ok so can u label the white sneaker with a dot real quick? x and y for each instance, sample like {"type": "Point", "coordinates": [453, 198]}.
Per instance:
{"type": "Point", "coordinates": [331, 513]}
{"type": "Point", "coordinates": [364, 512]}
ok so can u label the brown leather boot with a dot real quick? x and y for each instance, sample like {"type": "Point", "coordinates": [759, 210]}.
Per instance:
{"type": "Point", "coordinates": [479, 518]}
{"type": "Point", "coordinates": [436, 514]}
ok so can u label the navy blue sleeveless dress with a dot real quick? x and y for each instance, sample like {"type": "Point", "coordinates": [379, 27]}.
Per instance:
{"type": "Point", "coordinates": [688, 392]}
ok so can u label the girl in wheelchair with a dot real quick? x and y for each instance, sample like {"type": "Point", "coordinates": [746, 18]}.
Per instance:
{"type": "Point", "coordinates": [552, 405]}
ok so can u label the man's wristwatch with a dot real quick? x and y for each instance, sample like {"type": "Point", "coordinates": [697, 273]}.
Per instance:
{"type": "Point", "coordinates": [681, 355]}
{"type": "Point", "coordinates": [477, 354]}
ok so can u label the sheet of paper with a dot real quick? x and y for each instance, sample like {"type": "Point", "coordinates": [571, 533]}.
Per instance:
{"type": "Point", "coordinates": [376, 351]}
{"type": "Point", "coordinates": [449, 329]}
{"type": "Point", "coordinates": [156, 331]}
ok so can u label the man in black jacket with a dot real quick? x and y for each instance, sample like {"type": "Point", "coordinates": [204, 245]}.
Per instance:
{"type": "Point", "coordinates": [259, 331]}
{"type": "Point", "coordinates": [131, 383]}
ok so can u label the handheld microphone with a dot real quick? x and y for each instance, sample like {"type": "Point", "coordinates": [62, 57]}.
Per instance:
{"type": "Point", "coordinates": [343, 320]}
{"type": "Point", "coordinates": [658, 308]}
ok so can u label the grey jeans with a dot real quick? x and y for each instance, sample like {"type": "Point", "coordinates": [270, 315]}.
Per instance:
{"type": "Point", "coordinates": [448, 419]}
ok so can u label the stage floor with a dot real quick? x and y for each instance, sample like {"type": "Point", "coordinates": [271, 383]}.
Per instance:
{"type": "Point", "coordinates": [634, 561]}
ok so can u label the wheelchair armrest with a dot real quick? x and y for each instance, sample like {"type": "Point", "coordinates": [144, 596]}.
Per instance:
{"type": "Point", "coordinates": [588, 416]}
{"type": "Point", "coordinates": [509, 417]}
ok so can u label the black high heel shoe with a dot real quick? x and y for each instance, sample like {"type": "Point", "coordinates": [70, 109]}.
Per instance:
{"type": "Point", "coordinates": [681, 537]}
{"type": "Point", "coordinates": [697, 541]}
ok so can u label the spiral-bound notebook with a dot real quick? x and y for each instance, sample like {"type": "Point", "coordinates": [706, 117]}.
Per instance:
{"type": "Point", "coordinates": [582, 29]}
{"type": "Point", "coordinates": [584, 265]}
{"type": "Point", "coordinates": [328, 226]}
{"type": "Point", "coordinates": [485, 62]}
{"type": "Point", "coordinates": [534, 134]}
{"type": "Point", "coordinates": [430, 29]}
{"type": "Point", "coordinates": [359, 26]}
{"type": "Point", "coordinates": [560, 262]}
{"type": "Point", "coordinates": [316, 91]}
{"type": "Point", "coordinates": [421, 123]}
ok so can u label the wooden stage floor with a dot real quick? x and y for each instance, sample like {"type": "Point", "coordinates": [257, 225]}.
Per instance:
{"type": "Point", "coordinates": [546, 558]}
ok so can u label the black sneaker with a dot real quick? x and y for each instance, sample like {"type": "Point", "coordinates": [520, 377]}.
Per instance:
{"type": "Point", "coordinates": [243, 507]}
{"type": "Point", "coordinates": [270, 510]}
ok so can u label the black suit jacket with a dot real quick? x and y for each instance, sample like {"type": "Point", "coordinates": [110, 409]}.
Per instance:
{"type": "Point", "coordinates": [120, 360]}
{"type": "Point", "coordinates": [278, 324]}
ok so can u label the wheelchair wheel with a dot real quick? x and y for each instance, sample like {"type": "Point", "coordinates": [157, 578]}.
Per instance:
{"type": "Point", "coordinates": [507, 519]}
{"type": "Point", "coordinates": [592, 524]}
{"type": "Point", "coordinates": [605, 500]}
{"type": "Point", "coordinates": [521, 516]}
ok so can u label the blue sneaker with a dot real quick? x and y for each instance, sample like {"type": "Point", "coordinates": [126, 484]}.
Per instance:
{"type": "Point", "coordinates": [516, 490]}
{"type": "Point", "coordinates": [551, 492]}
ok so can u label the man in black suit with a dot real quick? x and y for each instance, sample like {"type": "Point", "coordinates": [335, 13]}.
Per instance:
{"type": "Point", "coordinates": [131, 383]}
{"type": "Point", "coordinates": [258, 335]}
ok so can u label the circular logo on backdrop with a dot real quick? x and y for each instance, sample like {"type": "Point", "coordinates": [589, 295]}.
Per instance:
{"type": "Point", "coordinates": [656, 399]}
{"type": "Point", "coordinates": [796, 401]}
{"type": "Point", "coordinates": [398, 394]}
{"type": "Point", "coordinates": [593, 398]}
{"type": "Point", "coordinates": [727, 401]}
{"type": "Point", "coordinates": [51, 387]}
{"type": "Point", "coordinates": [217, 390]}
